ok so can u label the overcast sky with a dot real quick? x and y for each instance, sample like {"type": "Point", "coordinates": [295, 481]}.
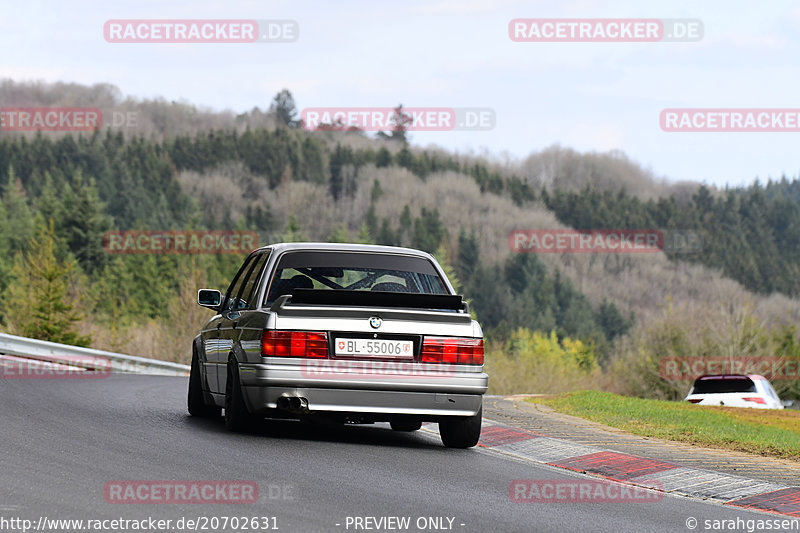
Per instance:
{"type": "Point", "coordinates": [456, 53]}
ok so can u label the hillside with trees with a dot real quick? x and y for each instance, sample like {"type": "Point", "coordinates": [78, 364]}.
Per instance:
{"type": "Point", "coordinates": [569, 319]}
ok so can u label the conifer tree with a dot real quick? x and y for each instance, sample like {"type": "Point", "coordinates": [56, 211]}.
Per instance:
{"type": "Point", "coordinates": [41, 303]}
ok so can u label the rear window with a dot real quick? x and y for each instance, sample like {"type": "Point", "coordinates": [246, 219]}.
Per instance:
{"type": "Point", "coordinates": [722, 385]}
{"type": "Point", "coordinates": [354, 271]}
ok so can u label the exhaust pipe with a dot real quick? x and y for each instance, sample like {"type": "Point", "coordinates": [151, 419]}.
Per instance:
{"type": "Point", "coordinates": [295, 404]}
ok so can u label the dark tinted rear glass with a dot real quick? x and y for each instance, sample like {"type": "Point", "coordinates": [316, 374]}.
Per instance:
{"type": "Point", "coordinates": [723, 385]}
{"type": "Point", "coordinates": [355, 271]}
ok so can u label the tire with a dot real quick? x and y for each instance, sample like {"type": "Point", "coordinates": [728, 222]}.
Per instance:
{"type": "Point", "coordinates": [461, 431]}
{"type": "Point", "coordinates": [237, 416]}
{"type": "Point", "coordinates": [196, 401]}
{"type": "Point", "coordinates": [406, 424]}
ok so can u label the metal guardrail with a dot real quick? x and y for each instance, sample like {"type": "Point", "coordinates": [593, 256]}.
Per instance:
{"type": "Point", "coordinates": [86, 357]}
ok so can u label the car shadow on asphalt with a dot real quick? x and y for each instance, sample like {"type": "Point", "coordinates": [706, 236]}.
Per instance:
{"type": "Point", "coordinates": [379, 434]}
{"type": "Point", "coordinates": [323, 431]}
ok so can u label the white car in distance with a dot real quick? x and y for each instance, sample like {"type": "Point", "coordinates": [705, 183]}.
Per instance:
{"type": "Point", "coordinates": [734, 390]}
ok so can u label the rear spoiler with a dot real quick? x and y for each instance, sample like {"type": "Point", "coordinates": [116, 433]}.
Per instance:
{"type": "Point", "coordinates": [344, 303]}
{"type": "Point", "coordinates": [446, 302]}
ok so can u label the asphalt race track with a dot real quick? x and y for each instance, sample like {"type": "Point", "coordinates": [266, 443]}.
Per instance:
{"type": "Point", "coordinates": [63, 440]}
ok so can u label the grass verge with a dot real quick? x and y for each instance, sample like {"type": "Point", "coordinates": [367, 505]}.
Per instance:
{"type": "Point", "coordinates": [759, 431]}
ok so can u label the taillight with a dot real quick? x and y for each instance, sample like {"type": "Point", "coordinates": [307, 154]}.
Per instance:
{"type": "Point", "coordinates": [294, 344]}
{"type": "Point", "coordinates": [755, 399]}
{"type": "Point", "coordinates": [694, 400]}
{"type": "Point", "coordinates": [455, 350]}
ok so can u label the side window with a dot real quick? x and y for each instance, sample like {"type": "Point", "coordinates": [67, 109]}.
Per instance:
{"type": "Point", "coordinates": [247, 295]}
{"type": "Point", "coordinates": [236, 284]}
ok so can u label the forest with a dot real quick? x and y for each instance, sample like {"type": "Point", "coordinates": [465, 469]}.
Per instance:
{"type": "Point", "coordinates": [552, 323]}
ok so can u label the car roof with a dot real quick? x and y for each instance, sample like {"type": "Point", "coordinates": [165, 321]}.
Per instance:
{"type": "Point", "coordinates": [344, 247]}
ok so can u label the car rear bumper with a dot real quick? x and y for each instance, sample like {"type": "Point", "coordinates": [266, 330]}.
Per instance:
{"type": "Point", "coordinates": [733, 403]}
{"type": "Point", "coordinates": [423, 390]}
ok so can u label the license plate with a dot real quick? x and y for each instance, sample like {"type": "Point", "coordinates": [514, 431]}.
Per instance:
{"type": "Point", "coordinates": [375, 348]}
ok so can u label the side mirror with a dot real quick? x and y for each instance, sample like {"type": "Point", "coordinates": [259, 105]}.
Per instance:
{"type": "Point", "coordinates": [210, 298]}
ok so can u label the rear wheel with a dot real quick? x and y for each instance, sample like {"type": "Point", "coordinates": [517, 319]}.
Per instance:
{"type": "Point", "coordinates": [406, 424]}
{"type": "Point", "coordinates": [461, 431]}
{"type": "Point", "coordinates": [196, 401]}
{"type": "Point", "coordinates": [237, 416]}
